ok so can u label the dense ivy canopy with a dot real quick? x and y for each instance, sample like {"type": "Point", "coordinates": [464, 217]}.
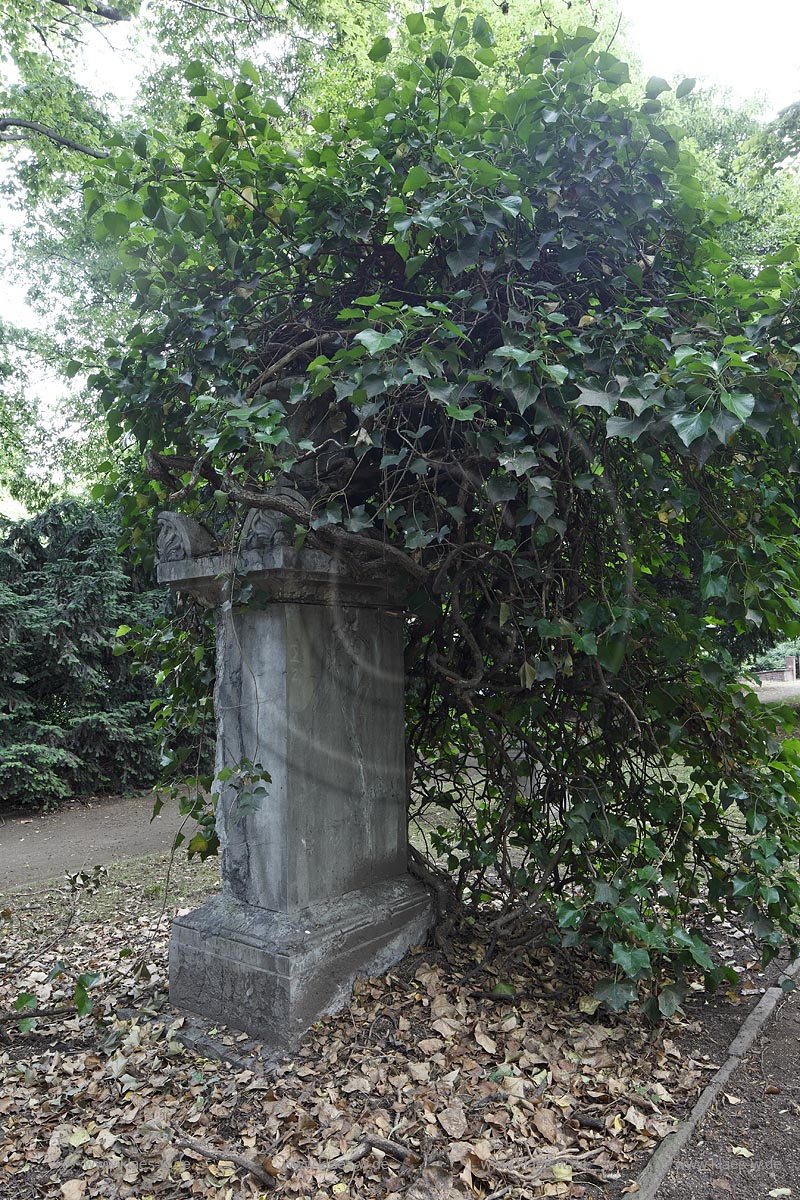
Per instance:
{"type": "Point", "coordinates": [488, 335]}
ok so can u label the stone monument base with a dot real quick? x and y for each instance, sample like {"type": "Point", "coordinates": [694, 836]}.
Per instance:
{"type": "Point", "coordinates": [272, 974]}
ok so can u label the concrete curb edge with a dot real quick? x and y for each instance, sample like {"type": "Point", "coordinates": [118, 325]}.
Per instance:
{"type": "Point", "coordinates": [663, 1157]}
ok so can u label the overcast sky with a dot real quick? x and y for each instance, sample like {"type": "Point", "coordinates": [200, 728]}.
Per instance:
{"type": "Point", "coordinates": [749, 47]}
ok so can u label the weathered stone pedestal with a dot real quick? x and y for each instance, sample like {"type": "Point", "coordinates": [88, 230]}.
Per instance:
{"type": "Point", "coordinates": [309, 689]}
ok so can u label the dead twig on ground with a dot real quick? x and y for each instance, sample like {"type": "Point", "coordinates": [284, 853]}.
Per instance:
{"type": "Point", "coordinates": [373, 1141]}
{"type": "Point", "coordinates": [223, 1154]}
{"type": "Point", "coordinates": [41, 1014]}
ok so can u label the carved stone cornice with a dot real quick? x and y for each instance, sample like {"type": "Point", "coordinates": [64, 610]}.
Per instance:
{"type": "Point", "coordinates": [264, 568]}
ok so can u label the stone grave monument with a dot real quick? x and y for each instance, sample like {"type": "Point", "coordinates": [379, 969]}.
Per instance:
{"type": "Point", "coordinates": [309, 701]}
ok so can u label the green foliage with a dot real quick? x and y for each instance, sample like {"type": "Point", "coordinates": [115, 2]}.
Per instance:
{"type": "Point", "coordinates": [491, 339]}
{"type": "Point", "coordinates": [73, 721]}
{"type": "Point", "coordinates": [180, 648]}
{"type": "Point", "coordinates": [727, 143]}
{"type": "Point", "coordinates": [774, 659]}
{"type": "Point", "coordinates": [779, 142]}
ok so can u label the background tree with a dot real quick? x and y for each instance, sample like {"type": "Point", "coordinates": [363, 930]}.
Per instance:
{"type": "Point", "coordinates": [727, 142]}
{"type": "Point", "coordinates": [73, 719]}
{"type": "Point", "coordinates": [489, 339]}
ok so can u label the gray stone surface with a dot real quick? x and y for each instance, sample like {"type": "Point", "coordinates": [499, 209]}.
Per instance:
{"type": "Point", "coordinates": [273, 974]}
{"type": "Point", "coordinates": [310, 695]}
{"type": "Point", "coordinates": [313, 693]}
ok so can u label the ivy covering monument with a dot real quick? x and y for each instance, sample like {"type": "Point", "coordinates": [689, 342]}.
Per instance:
{"type": "Point", "coordinates": [481, 329]}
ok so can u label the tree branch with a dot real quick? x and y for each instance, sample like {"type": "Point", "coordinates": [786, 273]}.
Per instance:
{"type": "Point", "coordinates": [43, 131]}
{"type": "Point", "coordinates": [39, 1014]}
{"type": "Point", "coordinates": [277, 367]}
{"type": "Point", "coordinates": [93, 9]}
{"type": "Point", "coordinates": [273, 501]}
{"type": "Point", "coordinates": [373, 1141]}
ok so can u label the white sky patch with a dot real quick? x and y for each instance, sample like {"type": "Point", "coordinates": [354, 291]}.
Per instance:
{"type": "Point", "coordinates": [112, 63]}
{"type": "Point", "coordinates": [751, 48]}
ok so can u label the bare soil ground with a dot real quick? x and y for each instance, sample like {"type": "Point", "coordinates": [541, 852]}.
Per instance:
{"type": "Point", "coordinates": [749, 1145]}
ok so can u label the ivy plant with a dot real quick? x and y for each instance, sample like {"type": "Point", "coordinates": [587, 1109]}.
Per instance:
{"type": "Point", "coordinates": [490, 341]}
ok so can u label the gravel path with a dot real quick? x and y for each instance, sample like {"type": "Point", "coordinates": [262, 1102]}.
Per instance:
{"type": "Point", "coordinates": [34, 846]}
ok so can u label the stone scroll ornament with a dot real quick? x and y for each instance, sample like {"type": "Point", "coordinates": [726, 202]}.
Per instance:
{"type": "Point", "coordinates": [182, 537]}
{"type": "Point", "coordinates": [310, 689]}
{"type": "Point", "coordinates": [265, 529]}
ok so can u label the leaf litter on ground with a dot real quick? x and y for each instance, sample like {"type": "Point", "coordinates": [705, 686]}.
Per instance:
{"type": "Point", "coordinates": [420, 1087]}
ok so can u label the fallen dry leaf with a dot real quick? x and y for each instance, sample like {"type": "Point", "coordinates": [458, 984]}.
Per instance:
{"type": "Point", "coordinates": [416, 1063]}
{"type": "Point", "coordinates": [434, 1183]}
{"type": "Point", "coordinates": [73, 1189]}
{"type": "Point", "coordinates": [545, 1121]}
{"type": "Point", "coordinates": [453, 1120]}
{"type": "Point", "coordinates": [484, 1041]}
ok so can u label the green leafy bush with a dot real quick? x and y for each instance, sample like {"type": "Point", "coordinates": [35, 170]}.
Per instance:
{"type": "Point", "coordinates": [73, 719]}
{"type": "Point", "coordinates": [488, 338]}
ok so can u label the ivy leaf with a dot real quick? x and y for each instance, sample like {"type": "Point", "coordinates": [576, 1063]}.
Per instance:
{"type": "Point", "coordinates": [691, 426]}
{"type": "Point", "coordinates": [82, 1000]}
{"type": "Point", "coordinates": [611, 653]}
{"type": "Point", "coordinates": [482, 31]}
{"type": "Point", "coordinates": [739, 403]}
{"type": "Point", "coordinates": [624, 427]}
{"type": "Point", "coordinates": [655, 86]}
{"type": "Point", "coordinates": [557, 372]}
{"type": "Point", "coordinates": [591, 398]}
{"type": "Point", "coordinates": [670, 999]}
{"type": "Point", "coordinates": [634, 273]}
{"type": "Point", "coordinates": [416, 178]}
{"type": "Point", "coordinates": [375, 342]}
{"type": "Point", "coordinates": [634, 961]}
{"type": "Point", "coordinates": [464, 68]}
{"type": "Point", "coordinates": [587, 644]}
{"type": "Point", "coordinates": [618, 994]}
{"type": "Point", "coordinates": [500, 488]}
{"type": "Point", "coordinates": [462, 414]}
{"type": "Point", "coordinates": [116, 222]}
{"type": "Point", "coordinates": [519, 354]}
{"type": "Point", "coordinates": [380, 50]}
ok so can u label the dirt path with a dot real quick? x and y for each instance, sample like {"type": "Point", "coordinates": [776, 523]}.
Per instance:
{"type": "Point", "coordinates": [34, 846]}
{"type": "Point", "coordinates": [748, 1147]}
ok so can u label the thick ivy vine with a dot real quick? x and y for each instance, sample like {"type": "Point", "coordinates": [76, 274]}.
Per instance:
{"type": "Point", "coordinates": [487, 335]}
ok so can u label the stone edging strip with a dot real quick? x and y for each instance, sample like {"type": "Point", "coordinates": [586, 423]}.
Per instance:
{"type": "Point", "coordinates": [657, 1169]}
